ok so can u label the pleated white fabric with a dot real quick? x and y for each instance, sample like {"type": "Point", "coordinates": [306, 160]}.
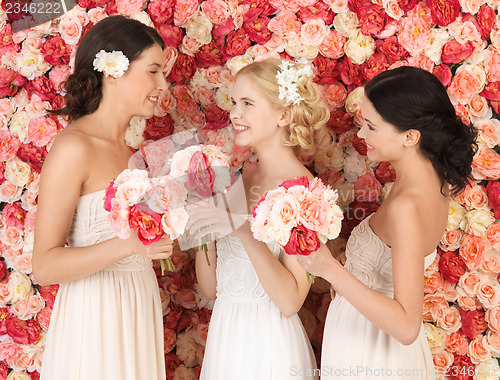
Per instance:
{"type": "Point", "coordinates": [354, 348]}
{"type": "Point", "coordinates": [108, 325]}
{"type": "Point", "coordinates": [248, 337]}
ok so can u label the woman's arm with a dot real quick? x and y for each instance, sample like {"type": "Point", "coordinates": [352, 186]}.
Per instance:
{"type": "Point", "coordinates": [205, 273]}
{"type": "Point", "coordinates": [286, 284]}
{"type": "Point", "coordinates": [401, 316]}
{"type": "Point", "coordinates": [64, 172]}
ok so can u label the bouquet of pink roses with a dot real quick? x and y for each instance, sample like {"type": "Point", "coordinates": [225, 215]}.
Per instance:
{"type": "Point", "coordinates": [150, 206]}
{"type": "Point", "coordinates": [298, 215]}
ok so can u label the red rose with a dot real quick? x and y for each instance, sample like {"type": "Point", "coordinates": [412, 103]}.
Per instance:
{"type": "Point", "coordinates": [491, 91]}
{"type": "Point", "coordinates": [204, 315]}
{"type": "Point", "coordinates": [172, 362]}
{"type": "Point", "coordinates": [461, 369]}
{"type": "Point", "coordinates": [57, 103]}
{"type": "Point", "coordinates": [443, 73]}
{"type": "Point", "coordinates": [171, 34]}
{"type": "Point", "coordinates": [455, 52]}
{"type": "Point", "coordinates": [258, 8]}
{"type": "Point", "coordinates": [340, 121]}
{"type": "Point", "coordinates": [4, 272]}
{"type": "Point", "coordinates": [34, 375]}
{"type": "Point", "coordinates": [43, 87]}
{"type": "Point", "coordinates": [221, 31]}
{"type": "Point", "coordinates": [161, 11]}
{"type": "Point", "coordinates": [376, 64]}
{"type": "Point", "coordinates": [354, 5]}
{"type": "Point", "coordinates": [493, 191]}
{"type": "Point", "coordinates": [2, 170]}
{"type": "Point", "coordinates": [317, 11]}
{"type": "Point", "coordinates": [384, 172]}
{"type": "Point", "coordinates": [351, 74]}
{"type": "Point", "coordinates": [49, 293]}
{"type": "Point", "coordinates": [5, 314]}
{"type": "Point", "coordinates": [183, 69]}
{"type": "Point", "coordinates": [296, 181]}
{"type": "Point", "coordinates": [22, 332]}
{"type": "Point", "coordinates": [4, 371]}
{"type": "Point", "coordinates": [359, 144]}
{"type": "Point", "coordinates": [486, 18]}
{"type": "Point", "coordinates": [216, 118]}
{"type": "Point", "coordinates": [372, 18]}
{"type": "Point", "coordinates": [147, 222]}
{"type": "Point", "coordinates": [473, 323]}
{"type": "Point", "coordinates": [171, 320]}
{"type": "Point", "coordinates": [326, 69]}
{"type": "Point", "coordinates": [391, 48]}
{"type": "Point", "coordinates": [201, 176]}
{"type": "Point", "coordinates": [158, 127]}
{"type": "Point", "coordinates": [494, 104]}
{"type": "Point", "coordinates": [451, 266]}
{"type": "Point", "coordinates": [257, 30]}
{"type": "Point", "coordinates": [302, 241]}
{"type": "Point", "coordinates": [32, 155]}
{"type": "Point", "coordinates": [237, 43]}
{"type": "Point", "coordinates": [110, 194]}
{"type": "Point", "coordinates": [444, 12]}
{"type": "Point", "coordinates": [188, 276]}
{"type": "Point", "coordinates": [13, 215]}
{"type": "Point", "coordinates": [55, 51]}
{"type": "Point", "coordinates": [407, 5]}
{"type": "Point", "coordinates": [209, 55]}
{"type": "Point", "coordinates": [10, 82]}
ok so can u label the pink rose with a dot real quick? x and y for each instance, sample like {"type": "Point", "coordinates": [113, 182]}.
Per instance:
{"type": "Point", "coordinates": [443, 73]}
{"type": "Point", "coordinates": [23, 332]}
{"type": "Point", "coordinates": [297, 181]}
{"type": "Point", "coordinates": [455, 52]}
{"type": "Point", "coordinates": [237, 42]}
{"type": "Point", "coordinates": [185, 298]}
{"type": "Point", "coordinates": [285, 24]}
{"type": "Point", "coordinates": [201, 176]}
{"type": "Point", "coordinates": [493, 339]}
{"type": "Point", "coordinates": [10, 82]}
{"type": "Point", "coordinates": [492, 316]}
{"type": "Point", "coordinates": [434, 306]}
{"type": "Point", "coordinates": [451, 240]}
{"type": "Point", "coordinates": [161, 11]}
{"type": "Point", "coordinates": [457, 343]}
{"type": "Point", "coordinates": [313, 31]}
{"type": "Point", "coordinates": [414, 35]}
{"type": "Point", "coordinates": [487, 293]}
{"type": "Point", "coordinates": [43, 318]}
{"type": "Point", "coordinates": [486, 18]}
{"type": "Point", "coordinates": [49, 293]}
{"type": "Point", "coordinates": [129, 7]}
{"type": "Point", "coordinates": [147, 223]}
{"type": "Point", "coordinates": [70, 29]}
{"type": "Point", "coordinates": [313, 214]}
{"type": "Point", "coordinates": [186, 104]}
{"type": "Point", "coordinates": [9, 145]}
{"type": "Point", "coordinates": [41, 130]}
{"type": "Point", "coordinates": [473, 323]}
{"type": "Point", "coordinates": [302, 241]}
{"type": "Point", "coordinates": [472, 251]}
{"type": "Point", "coordinates": [184, 11]}
{"type": "Point", "coordinates": [43, 88]}
{"type": "Point", "coordinates": [171, 34]}
{"type": "Point", "coordinates": [493, 192]}
{"type": "Point", "coordinates": [190, 46]}
{"type": "Point", "coordinates": [473, 197]}
{"type": "Point", "coordinates": [464, 86]}
{"type": "Point", "coordinates": [33, 155]}
{"type": "Point", "coordinates": [335, 94]}
{"type": "Point", "coordinates": [367, 188]}
{"type": "Point", "coordinates": [216, 10]}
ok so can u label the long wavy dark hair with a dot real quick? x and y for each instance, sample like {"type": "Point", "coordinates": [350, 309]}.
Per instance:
{"type": "Point", "coordinates": [412, 98]}
{"type": "Point", "coordinates": [84, 87]}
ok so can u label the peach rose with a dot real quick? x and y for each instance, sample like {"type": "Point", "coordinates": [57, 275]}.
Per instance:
{"type": "Point", "coordinates": [468, 282]}
{"type": "Point", "coordinates": [13, 237]}
{"type": "Point", "coordinates": [489, 131]}
{"type": "Point", "coordinates": [479, 350]}
{"type": "Point", "coordinates": [486, 165]}
{"type": "Point", "coordinates": [478, 108]}
{"type": "Point", "coordinates": [338, 6]}
{"type": "Point", "coordinates": [464, 86]}
{"type": "Point", "coordinates": [170, 338]}
{"type": "Point", "coordinates": [434, 306]}
{"type": "Point", "coordinates": [493, 235]}
{"type": "Point", "coordinates": [22, 263]}
{"type": "Point", "coordinates": [451, 240]}
{"type": "Point", "coordinates": [332, 45]}
{"type": "Point", "coordinates": [6, 107]}
{"type": "Point", "coordinates": [433, 282]}
{"type": "Point", "coordinates": [414, 35]}
{"type": "Point", "coordinates": [216, 10]}
{"type": "Point", "coordinates": [492, 64]}
{"type": "Point", "coordinates": [96, 14]}
{"type": "Point", "coordinates": [43, 318]}
{"type": "Point", "coordinates": [456, 342]}
{"type": "Point", "coordinates": [185, 10]}
{"type": "Point", "coordinates": [6, 293]}
{"type": "Point", "coordinates": [129, 7]}
{"type": "Point", "coordinates": [450, 320]}
{"type": "Point", "coordinates": [166, 104]}
{"type": "Point", "coordinates": [9, 192]}
{"type": "Point", "coordinates": [9, 145]}
{"type": "Point", "coordinates": [185, 298]}
{"type": "Point", "coordinates": [171, 55]}
{"type": "Point", "coordinates": [313, 214]}
{"type": "Point", "coordinates": [488, 293]}
{"type": "Point", "coordinates": [70, 29]}
{"type": "Point", "coordinates": [491, 262]}
{"type": "Point", "coordinates": [473, 197]}
{"type": "Point", "coordinates": [493, 339]}
{"type": "Point", "coordinates": [58, 75]}
{"type": "Point", "coordinates": [313, 31]}
{"type": "Point", "coordinates": [492, 316]}
{"type": "Point", "coordinates": [450, 291]}
{"type": "Point", "coordinates": [442, 361]}
{"type": "Point", "coordinates": [37, 107]}
{"type": "Point", "coordinates": [472, 251]}
{"type": "Point", "coordinates": [468, 302]}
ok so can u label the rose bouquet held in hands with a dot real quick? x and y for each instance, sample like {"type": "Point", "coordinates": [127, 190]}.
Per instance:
{"type": "Point", "coordinates": [299, 214]}
{"type": "Point", "coordinates": [150, 206]}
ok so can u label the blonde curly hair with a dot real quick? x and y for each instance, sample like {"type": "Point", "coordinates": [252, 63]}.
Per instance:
{"type": "Point", "coordinates": [307, 129]}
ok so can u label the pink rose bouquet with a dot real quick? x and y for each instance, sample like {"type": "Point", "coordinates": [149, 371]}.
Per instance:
{"type": "Point", "coordinates": [299, 215]}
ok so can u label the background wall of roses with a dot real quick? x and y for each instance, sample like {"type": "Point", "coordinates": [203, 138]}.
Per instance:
{"type": "Point", "coordinates": [348, 42]}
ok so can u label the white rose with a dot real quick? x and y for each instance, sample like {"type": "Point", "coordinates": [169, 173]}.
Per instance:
{"type": "Point", "coordinates": [297, 49]}
{"type": "Point", "coordinates": [200, 29]}
{"type": "Point", "coordinates": [346, 23]}
{"type": "Point", "coordinates": [31, 64]}
{"type": "Point", "coordinates": [359, 48]}
{"type": "Point", "coordinates": [478, 71]}
{"type": "Point", "coordinates": [487, 370]}
{"type": "Point", "coordinates": [476, 222]}
{"type": "Point", "coordinates": [235, 64]}
{"type": "Point", "coordinates": [186, 348]}
{"type": "Point", "coordinates": [17, 171]}
{"type": "Point", "coordinates": [21, 286]}
{"type": "Point", "coordinates": [18, 375]}
{"type": "Point", "coordinates": [331, 158]}
{"type": "Point", "coordinates": [354, 166]}
{"type": "Point", "coordinates": [143, 17]}
{"type": "Point", "coordinates": [134, 136]}
{"type": "Point", "coordinates": [354, 99]}
{"type": "Point", "coordinates": [438, 37]}
{"type": "Point", "coordinates": [18, 125]}
{"type": "Point", "coordinates": [436, 337]}
{"type": "Point", "coordinates": [223, 98]}
{"type": "Point", "coordinates": [455, 215]}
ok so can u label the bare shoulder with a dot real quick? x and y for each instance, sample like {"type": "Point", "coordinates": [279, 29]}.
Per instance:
{"type": "Point", "coordinates": [403, 213]}
{"type": "Point", "coordinates": [70, 143]}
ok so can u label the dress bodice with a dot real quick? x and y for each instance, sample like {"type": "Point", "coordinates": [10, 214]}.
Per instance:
{"type": "Point", "coordinates": [369, 259]}
{"type": "Point", "coordinates": [90, 226]}
{"type": "Point", "coordinates": [236, 277]}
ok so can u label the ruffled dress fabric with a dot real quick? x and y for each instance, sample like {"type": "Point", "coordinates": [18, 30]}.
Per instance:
{"type": "Point", "coordinates": [353, 347]}
{"type": "Point", "coordinates": [248, 337]}
{"type": "Point", "coordinates": [108, 325]}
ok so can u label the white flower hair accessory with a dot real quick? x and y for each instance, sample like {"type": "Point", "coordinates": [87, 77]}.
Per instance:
{"type": "Point", "coordinates": [288, 76]}
{"type": "Point", "coordinates": [114, 64]}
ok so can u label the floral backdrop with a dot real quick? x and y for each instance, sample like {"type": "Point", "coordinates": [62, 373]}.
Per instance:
{"type": "Point", "coordinates": [348, 42]}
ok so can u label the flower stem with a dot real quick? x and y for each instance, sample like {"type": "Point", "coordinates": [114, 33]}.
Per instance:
{"type": "Point", "coordinates": [170, 265]}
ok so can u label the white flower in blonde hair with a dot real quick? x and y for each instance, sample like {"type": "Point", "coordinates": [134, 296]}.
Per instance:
{"type": "Point", "coordinates": [288, 77]}
{"type": "Point", "coordinates": [114, 64]}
